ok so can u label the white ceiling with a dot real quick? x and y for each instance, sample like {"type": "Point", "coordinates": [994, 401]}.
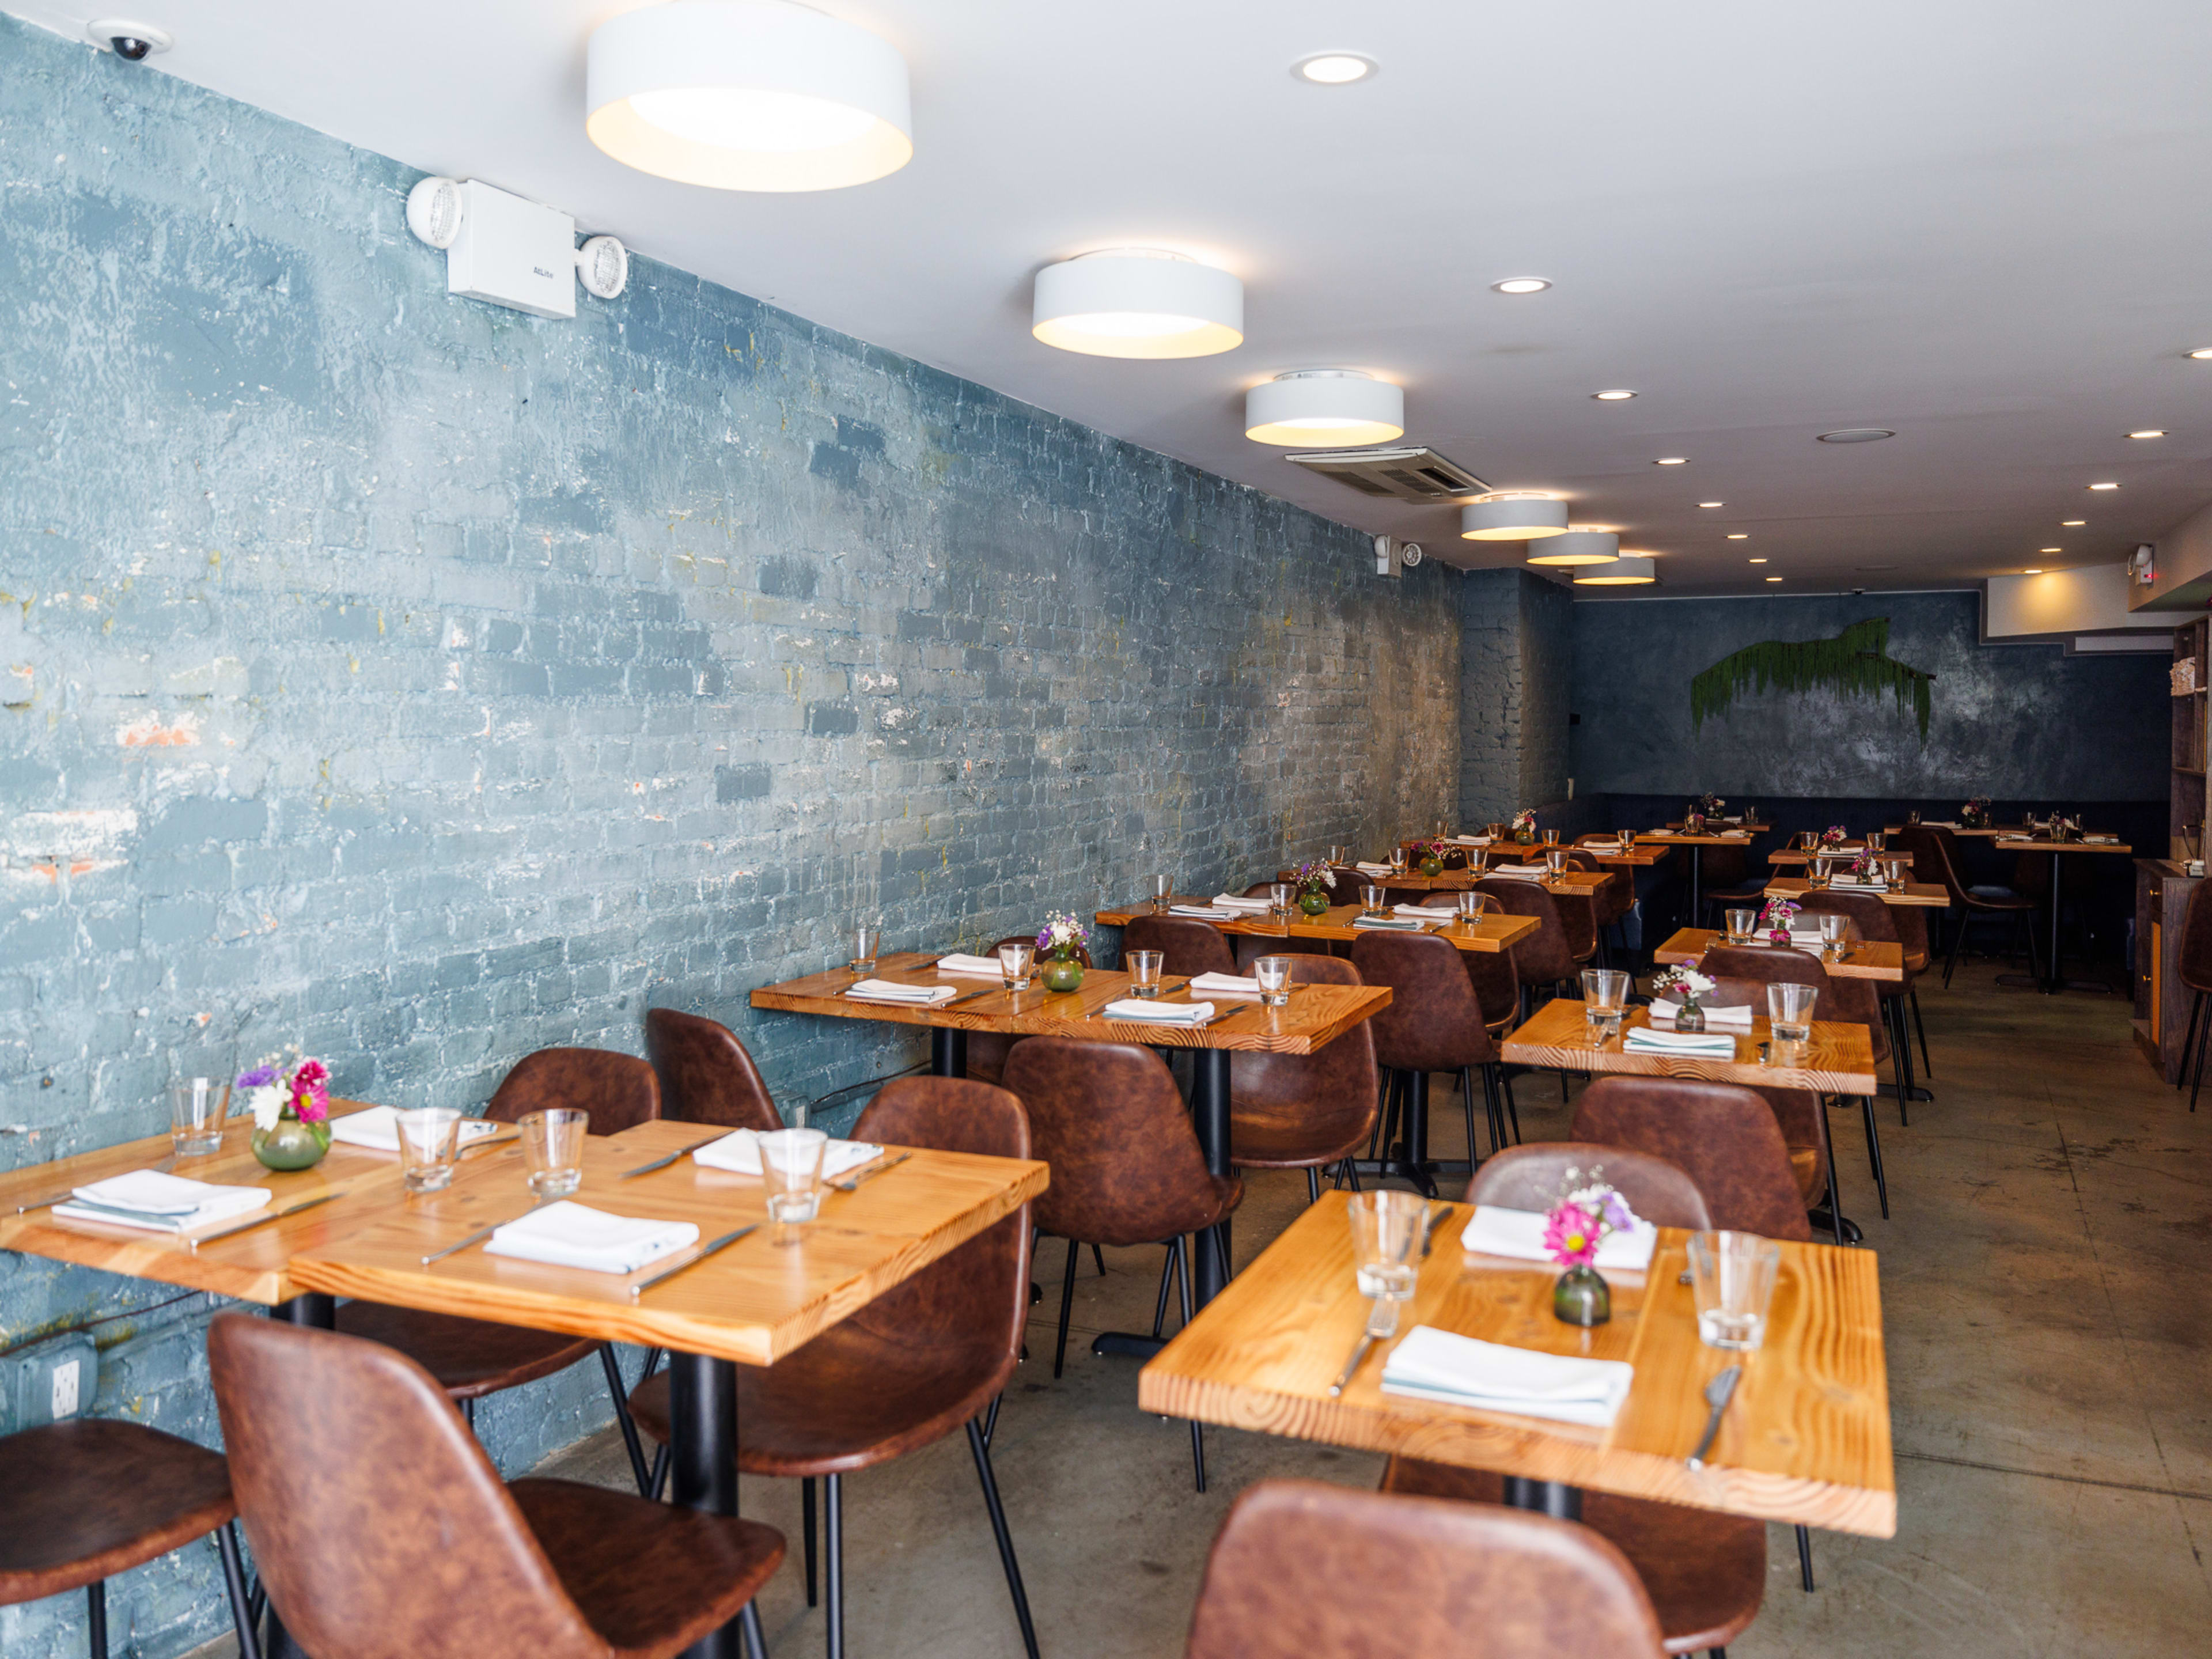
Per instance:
{"type": "Point", "coordinates": [1981, 224]}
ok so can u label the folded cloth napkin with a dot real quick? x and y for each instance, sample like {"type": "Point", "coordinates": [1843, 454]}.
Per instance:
{"type": "Point", "coordinates": [1939, 824]}
{"type": "Point", "coordinates": [1804, 939]}
{"type": "Point", "coordinates": [1228, 902]}
{"type": "Point", "coordinates": [2101, 841]}
{"type": "Point", "coordinates": [1518, 872]}
{"type": "Point", "coordinates": [1160, 1013]}
{"type": "Point", "coordinates": [1470, 841]}
{"type": "Point", "coordinates": [1735, 1016]}
{"type": "Point", "coordinates": [958, 963]}
{"type": "Point", "coordinates": [739, 1151]}
{"type": "Point", "coordinates": [1422, 912]}
{"type": "Point", "coordinates": [1224, 984]}
{"type": "Point", "coordinates": [1463, 1370]}
{"type": "Point", "coordinates": [1519, 1234]}
{"type": "Point", "coordinates": [1643, 1040]}
{"type": "Point", "coordinates": [378, 1129]}
{"type": "Point", "coordinates": [1208, 912]}
{"type": "Point", "coordinates": [1600, 846]}
{"type": "Point", "coordinates": [1865, 884]}
{"type": "Point", "coordinates": [1390, 924]}
{"type": "Point", "coordinates": [883, 990]}
{"type": "Point", "coordinates": [159, 1202]}
{"type": "Point", "coordinates": [1374, 869]}
{"type": "Point", "coordinates": [566, 1234]}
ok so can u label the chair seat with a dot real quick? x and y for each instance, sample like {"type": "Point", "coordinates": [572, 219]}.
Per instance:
{"type": "Point", "coordinates": [90, 1499]}
{"type": "Point", "coordinates": [1283, 1143]}
{"type": "Point", "coordinates": [471, 1358]}
{"type": "Point", "coordinates": [1704, 1572]}
{"type": "Point", "coordinates": [2001, 899]}
{"type": "Point", "coordinates": [649, 1577]}
{"type": "Point", "coordinates": [851, 1398]}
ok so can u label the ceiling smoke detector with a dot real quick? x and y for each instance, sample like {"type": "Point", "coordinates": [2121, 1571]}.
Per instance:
{"type": "Point", "coordinates": [132, 41]}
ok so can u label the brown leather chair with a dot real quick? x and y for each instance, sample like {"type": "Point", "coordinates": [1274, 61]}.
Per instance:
{"type": "Point", "coordinates": [472, 1357]}
{"type": "Point", "coordinates": [1726, 880]}
{"type": "Point", "coordinates": [1250, 947]}
{"type": "Point", "coordinates": [1301, 1111]}
{"type": "Point", "coordinates": [90, 1498]}
{"type": "Point", "coordinates": [395, 1535]}
{"type": "Point", "coordinates": [1876, 922]}
{"type": "Point", "coordinates": [706, 1076]}
{"type": "Point", "coordinates": [1496, 981]}
{"type": "Point", "coordinates": [1936, 858]}
{"type": "Point", "coordinates": [1305, 1571]}
{"type": "Point", "coordinates": [1610, 904]}
{"type": "Point", "coordinates": [1125, 1163]}
{"type": "Point", "coordinates": [988, 1050]}
{"type": "Point", "coordinates": [1705, 1571]}
{"type": "Point", "coordinates": [1191, 947]}
{"type": "Point", "coordinates": [1433, 1024]}
{"type": "Point", "coordinates": [2193, 963]}
{"type": "Point", "coordinates": [928, 1356]}
{"type": "Point", "coordinates": [1544, 957]}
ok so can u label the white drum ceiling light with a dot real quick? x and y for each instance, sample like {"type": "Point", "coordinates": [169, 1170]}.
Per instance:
{"type": "Point", "coordinates": [1577, 547]}
{"type": "Point", "coordinates": [747, 95]}
{"type": "Point", "coordinates": [1629, 570]}
{"type": "Point", "coordinates": [1325, 407]}
{"type": "Point", "coordinates": [1137, 302]}
{"type": "Point", "coordinates": [1513, 515]}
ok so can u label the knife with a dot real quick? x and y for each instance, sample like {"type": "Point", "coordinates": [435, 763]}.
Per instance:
{"type": "Point", "coordinates": [1437, 1215]}
{"type": "Point", "coordinates": [679, 1153]}
{"type": "Point", "coordinates": [1718, 1393]}
{"type": "Point", "coordinates": [723, 1243]}
{"type": "Point", "coordinates": [260, 1221]}
{"type": "Point", "coordinates": [870, 1172]}
{"type": "Point", "coordinates": [53, 1199]}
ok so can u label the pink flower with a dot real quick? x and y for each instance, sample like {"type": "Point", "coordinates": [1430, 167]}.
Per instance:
{"type": "Point", "coordinates": [310, 1072]}
{"type": "Point", "coordinates": [1570, 1234]}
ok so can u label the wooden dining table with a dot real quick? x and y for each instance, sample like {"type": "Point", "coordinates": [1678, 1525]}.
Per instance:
{"type": "Point", "coordinates": [1486, 935]}
{"type": "Point", "coordinates": [1675, 836]}
{"type": "Point", "coordinates": [1580, 883]}
{"type": "Point", "coordinates": [348, 1227]}
{"type": "Point", "coordinates": [1861, 959]}
{"type": "Point", "coordinates": [1917, 895]}
{"type": "Point", "coordinates": [1789, 857]}
{"type": "Point", "coordinates": [2024, 840]}
{"type": "Point", "coordinates": [1806, 1437]}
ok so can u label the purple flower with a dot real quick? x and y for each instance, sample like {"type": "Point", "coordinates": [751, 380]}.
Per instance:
{"type": "Point", "coordinates": [1616, 1214]}
{"type": "Point", "coordinates": [260, 1078]}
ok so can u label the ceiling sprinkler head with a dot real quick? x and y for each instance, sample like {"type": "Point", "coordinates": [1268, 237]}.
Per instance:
{"type": "Point", "coordinates": [132, 41]}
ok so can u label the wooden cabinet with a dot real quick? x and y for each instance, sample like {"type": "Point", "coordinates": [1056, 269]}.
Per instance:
{"type": "Point", "coordinates": [2161, 1010]}
{"type": "Point", "coordinates": [2185, 813]}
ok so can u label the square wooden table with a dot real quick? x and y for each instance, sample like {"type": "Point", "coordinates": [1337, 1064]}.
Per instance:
{"type": "Point", "coordinates": [1490, 934]}
{"type": "Point", "coordinates": [1876, 959]}
{"type": "Point", "coordinates": [1805, 1439]}
{"type": "Point", "coordinates": [1672, 835]}
{"type": "Point", "coordinates": [1580, 883]}
{"type": "Point", "coordinates": [2022, 840]}
{"type": "Point", "coordinates": [1914, 895]}
{"type": "Point", "coordinates": [1795, 858]}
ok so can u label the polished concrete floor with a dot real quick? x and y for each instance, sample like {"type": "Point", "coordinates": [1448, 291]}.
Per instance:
{"type": "Point", "coordinates": [2051, 1366]}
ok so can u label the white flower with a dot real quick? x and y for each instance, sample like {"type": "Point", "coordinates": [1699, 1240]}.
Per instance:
{"type": "Point", "coordinates": [267, 1105]}
{"type": "Point", "coordinates": [1690, 980]}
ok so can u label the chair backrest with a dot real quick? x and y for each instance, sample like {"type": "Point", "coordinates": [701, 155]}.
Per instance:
{"type": "Point", "coordinates": [1190, 946]}
{"type": "Point", "coordinates": [1327, 1097]}
{"type": "Point", "coordinates": [1723, 866]}
{"type": "Point", "coordinates": [979, 1293]}
{"type": "Point", "coordinates": [1724, 1137]}
{"type": "Point", "coordinates": [1475, 1580]}
{"type": "Point", "coordinates": [1839, 998]}
{"type": "Point", "coordinates": [1078, 951]}
{"type": "Point", "coordinates": [1125, 1163]}
{"type": "Point", "coordinates": [378, 1523]}
{"type": "Point", "coordinates": [2194, 960]}
{"type": "Point", "coordinates": [619, 1090]}
{"type": "Point", "coordinates": [1933, 856]}
{"type": "Point", "coordinates": [1534, 1176]}
{"type": "Point", "coordinates": [1434, 1023]}
{"type": "Point", "coordinates": [706, 1076]}
{"type": "Point", "coordinates": [1543, 957]}
{"type": "Point", "coordinates": [1446, 898]}
{"type": "Point", "coordinates": [1874, 918]}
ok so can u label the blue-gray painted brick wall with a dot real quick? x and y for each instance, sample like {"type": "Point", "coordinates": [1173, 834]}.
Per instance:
{"type": "Point", "coordinates": [1518, 647]}
{"type": "Point", "coordinates": [426, 684]}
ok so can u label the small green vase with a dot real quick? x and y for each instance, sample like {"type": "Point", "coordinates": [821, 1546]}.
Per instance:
{"type": "Point", "coordinates": [1062, 974]}
{"type": "Point", "coordinates": [1314, 904]}
{"type": "Point", "coordinates": [292, 1145]}
{"type": "Point", "coordinates": [1525, 837]}
{"type": "Point", "coordinates": [1433, 866]}
{"type": "Point", "coordinates": [1581, 1297]}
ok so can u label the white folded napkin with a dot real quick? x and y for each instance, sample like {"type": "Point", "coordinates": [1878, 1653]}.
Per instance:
{"type": "Point", "coordinates": [1374, 869]}
{"type": "Point", "coordinates": [1160, 1013]}
{"type": "Point", "coordinates": [1422, 912]}
{"type": "Point", "coordinates": [883, 990]}
{"type": "Point", "coordinates": [1518, 872]}
{"type": "Point", "coordinates": [566, 1234]}
{"type": "Point", "coordinates": [1939, 824]}
{"type": "Point", "coordinates": [378, 1129]}
{"type": "Point", "coordinates": [739, 1151]}
{"type": "Point", "coordinates": [1642, 1039]}
{"type": "Point", "coordinates": [159, 1202]}
{"type": "Point", "coordinates": [956, 963]}
{"type": "Point", "coordinates": [1803, 939]}
{"type": "Point", "coordinates": [1392, 924]}
{"type": "Point", "coordinates": [1463, 1370]}
{"type": "Point", "coordinates": [1229, 902]}
{"type": "Point", "coordinates": [1224, 984]}
{"type": "Point", "coordinates": [1736, 1015]}
{"type": "Point", "coordinates": [2101, 841]}
{"type": "Point", "coordinates": [1871, 883]}
{"type": "Point", "coordinates": [1600, 846]}
{"type": "Point", "coordinates": [1470, 841]}
{"type": "Point", "coordinates": [1204, 912]}
{"type": "Point", "coordinates": [1520, 1234]}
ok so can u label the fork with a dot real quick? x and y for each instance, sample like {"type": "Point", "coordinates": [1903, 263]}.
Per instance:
{"type": "Point", "coordinates": [1382, 1326]}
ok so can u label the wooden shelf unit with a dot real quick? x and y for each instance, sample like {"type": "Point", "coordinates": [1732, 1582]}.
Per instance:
{"type": "Point", "coordinates": [2192, 715]}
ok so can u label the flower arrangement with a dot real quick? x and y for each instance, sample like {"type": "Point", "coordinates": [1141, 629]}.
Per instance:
{"type": "Point", "coordinates": [1975, 809]}
{"type": "Point", "coordinates": [1691, 983]}
{"type": "Point", "coordinates": [291, 1111]}
{"type": "Point", "coordinates": [1774, 919]}
{"type": "Point", "coordinates": [1060, 936]}
{"type": "Point", "coordinates": [1710, 803]}
{"type": "Point", "coordinates": [1311, 876]}
{"type": "Point", "coordinates": [1524, 824]}
{"type": "Point", "coordinates": [1584, 1216]}
{"type": "Point", "coordinates": [1834, 835]}
{"type": "Point", "coordinates": [1428, 856]}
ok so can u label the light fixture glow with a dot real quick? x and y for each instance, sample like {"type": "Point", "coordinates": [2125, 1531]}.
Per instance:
{"type": "Point", "coordinates": [1629, 570]}
{"type": "Point", "coordinates": [2149, 432]}
{"type": "Point", "coordinates": [1137, 302]}
{"type": "Point", "coordinates": [2050, 549]}
{"type": "Point", "coordinates": [1513, 515]}
{"type": "Point", "coordinates": [1857, 434]}
{"type": "Point", "coordinates": [1322, 408]}
{"type": "Point", "coordinates": [1333, 68]}
{"type": "Point", "coordinates": [2071, 524]}
{"type": "Point", "coordinates": [1712, 503]}
{"type": "Point", "coordinates": [747, 95]}
{"type": "Point", "coordinates": [2202, 353]}
{"type": "Point", "coordinates": [2032, 570]}
{"type": "Point", "coordinates": [1754, 562]}
{"type": "Point", "coordinates": [1615, 397]}
{"type": "Point", "coordinates": [1672, 461]}
{"type": "Point", "coordinates": [1577, 547]}
{"type": "Point", "coordinates": [1774, 579]}
{"type": "Point", "coordinates": [2104, 486]}
{"type": "Point", "coordinates": [1521, 285]}
{"type": "Point", "coordinates": [1739, 535]}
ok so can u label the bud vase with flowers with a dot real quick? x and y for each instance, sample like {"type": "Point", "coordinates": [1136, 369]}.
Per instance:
{"type": "Point", "coordinates": [1689, 985]}
{"type": "Point", "coordinates": [291, 1113]}
{"type": "Point", "coordinates": [1583, 1218]}
{"type": "Point", "coordinates": [1315, 880]}
{"type": "Point", "coordinates": [1975, 814]}
{"type": "Point", "coordinates": [1058, 941]}
{"type": "Point", "coordinates": [1524, 826]}
{"type": "Point", "coordinates": [1428, 857]}
{"type": "Point", "coordinates": [1774, 919]}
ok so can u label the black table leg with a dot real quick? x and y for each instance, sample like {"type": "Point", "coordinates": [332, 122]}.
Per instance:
{"type": "Point", "coordinates": [1552, 1498]}
{"type": "Point", "coordinates": [2054, 978]}
{"type": "Point", "coordinates": [948, 1051]}
{"type": "Point", "coordinates": [319, 1310]}
{"type": "Point", "coordinates": [702, 1412]}
{"type": "Point", "coordinates": [1209, 1251]}
{"type": "Point", "coordinates": [1696, 871]}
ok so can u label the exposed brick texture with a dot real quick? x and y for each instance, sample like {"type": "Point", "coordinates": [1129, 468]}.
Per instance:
{"type": "Point", "coordinates": [1518, 645]}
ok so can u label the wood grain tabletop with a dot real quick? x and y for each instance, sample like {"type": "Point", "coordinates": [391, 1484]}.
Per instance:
{"type": "Point", "coordinates": [1489, 934]}
{"type": "Point", "coordinates": [1880, 959]}
{"type": "Point", "coordinates": [1917, 895]}
{"type": "Point", "coordinates": [1838, 1059]}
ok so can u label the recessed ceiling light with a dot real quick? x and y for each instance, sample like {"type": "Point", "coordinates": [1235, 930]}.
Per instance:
{"type": "Point", "coordinates": [1521, 285]}
{"type": "Point", "coordinates": [1672, 461]}
{"type": "Point", "coordinates": [1615, 397]}
{"type": "Point", "coordinates": [2071, 524]}
{"type": "Point", "coordinates": [1774, 579]}
{"type": "Point", "coordinates": [1754, 562]}
{"type": "Point", "coordinates": [2104, 486]}
{"type": "Point", "coordinates": [1712, 503]}
{"type": "Point", "coordinates": [1333, 68]}
{"type": "Point", "coordinates": [1513, 515]}
{"type": "Point", "coordinates": [2050, 549]}
{"type": "Point", "coordinates": [1739, 535]}
{"type": "Point", "coordinates": [1134, 302]}
{"type": "Point", "coordinates": [2032, 570]}
{"type": "Point", "coordinates": [2149, 432]}
{"type": "Point", "coordinates": [2202, 353]}
{"type": "Point", "coordinates": [1858, 434]}
{"type": "Point", "coordinates": [1324, 408]}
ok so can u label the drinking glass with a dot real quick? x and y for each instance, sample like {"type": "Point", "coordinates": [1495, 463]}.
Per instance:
{"type": "Point", "coordinates": [1339, 855]}
{"type": "Point", "coordinates": [1790, 1012]}
{"type": "Point", "coordinates": [196, 1107]}
{"type": "Point", "coordinates": [1732, 1279]}
{"type": "Point", "coordinates": [1274, 974]}
{"type": "Point", "coordinates": [1875, 839]}
{"type": "Point", "coordinates": [1556, 859]}
{"type": "Point", "coordinates": [1551, 838]}
{"type": "Point", "coordinates": [1833, 930]}
{"type": "Point", "coordinates": [1750, 815]}
{"type": "Point", "coordinates": [1370, 898]}
{"type": "Point", "coordinates": [1478, 860]}
{"type": "Point", "coordinates": [1017, 962]}
{"type": "Point", "coordinates": [791, 1162]}
{"type": "Point", "coordinates": [1627, 840]}
{"type": "Point", "coordinates": [1279, 897]}
{"type": "Point", "coordinates": [553, 1148]}
{"type": "Point", "coordinates": [1162, 889]}
{"type": "Point", "coordinates": [1386, 1227]}
{"type": "Point", "coordinates": [1470, 905]}
{"type": "Point", "coordinates": [1893, 872]}
{"type": "Point", "coordinates": [867, 941]}
{"type": "Point", "coordinates": [1605, 1000]}
{"type": "Point", "coordinates": [1913, 817]}
{"type": "Point", "coordinates": [1741, 924]}
{"type": "Point", "coordinates": [1821, 864]}
{"type": "Point", "coordinates": [429, 1146]}
{"type": "Point", "coordinates": [1496, 831]}
{"type": "Point", "coordinates": [1397, 860]}
{"type": "Point", "coordinates": [1145, 971]}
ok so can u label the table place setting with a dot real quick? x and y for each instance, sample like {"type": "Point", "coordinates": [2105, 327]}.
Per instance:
{"type": "Point", "coordinates": [885, 990]}
{"type": "Point", "coordinates": [1451, 1369]}
{"type": "Point", "coordinates": [1736, 1015]}
{"type": "Point", "coordinates": [1367, 869]}
{"type": "Point", "coordinates": [1519, 1236]}
{"type": "Point", "coordinates": [1470, 841]}
{"type": "Point", "coordinates": [1425, 913]}
{"type": "Point", "coordinates": [1208, 912]}
{"type": "Point", "coordinates": [377, 1130]}
{"type": "Point", "coordinates": [1250, 907]}
{"type": "Point", "coordinates": [738, 1153]}
{"type": "Point", "coordinates": [158, 1202]}
{"type": "Point", "coordinates": [566, 1234]}
{"type": "Point", "coordinates": [1224, 985]}
{"type": "Point", "coordinates": [1157, 1013]}
{"type": "Point", "coordinates": [1648, 1040]}
{"type": "Point", "coordinates": [958, 962]}
{"type": "Point", "coordinates": [1390, 923]}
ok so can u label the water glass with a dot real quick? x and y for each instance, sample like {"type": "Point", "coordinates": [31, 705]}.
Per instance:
{"type": "Point", "coordinates": [1280, 895]}
{"type": "Point", "coordinates": [1741, 924]}
{"type": "Point", "coordinates": [1913, 817]}
{"type": "Point", "coordinates": [1627, 840]}
{"type": "Point", "coordinates": [1834, 930]}
{"type": "Point", "coordinates": [1339, 855]}
{"type": "Point", "coordinates": [1162, 891]}
{"type": "Point", "coordinates": [867, 941]}
{"type": "Point", "coordinates": [1145, 971]}
{"type": "Point", "coordinates": [1470, 905]}
{"type": "Point", "coordinates": [1274, 974]}
{"type": "Point", "coordinates": [1790, 1011]}
{"type": "Point", "coordinates": [1732, 1279]}
{"type": "Point", "coordinates": [553, 1148]}
{"type": "Point", "coordinates": [1605, 1000]}
{"type": "Point", "coordinates": [1386, 1232]}
{"type": "Point", "coordinates": [429, 1146]}
{"type": "Point", "coordinates": [1875, 839]}
{"type": "Point", "coordinates": [1556, 859]}
{"type": "Point", "coordinates": [1398, 860]}
{"type": "Point", "coordinates": [1017, 962]}
{"type": "Point", "coordinates": [1893, 872]}
{"type": "Point", "coordinates": [1821, 864]}
{"type": "Point", "coordinates": [1370, 898]}
{"type": "Point", "coordinates": [1808, 839]}
{"type": "Point", "coordinates": [1478, 860]}
{"type": "Point", "coordinates": [791, 1162]}
{"type": "Point", "coordinates": [196, 1107]}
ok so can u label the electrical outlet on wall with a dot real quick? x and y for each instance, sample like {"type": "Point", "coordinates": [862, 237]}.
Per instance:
{"type": "Point", "coordinates": [49, 1381]}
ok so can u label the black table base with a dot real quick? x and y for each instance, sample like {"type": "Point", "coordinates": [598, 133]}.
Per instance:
{"type": "Point", "coordinates": [1552, 1497]}
{"type": "Point", "coordinates": [2054, 978]}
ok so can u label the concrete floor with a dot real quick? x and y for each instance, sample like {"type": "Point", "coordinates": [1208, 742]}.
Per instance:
{"type": "Point", "coordinates": [2048, 1349]}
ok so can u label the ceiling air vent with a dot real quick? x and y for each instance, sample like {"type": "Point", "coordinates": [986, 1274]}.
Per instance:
{"type": "Point", "coordinates": [1410, 475]}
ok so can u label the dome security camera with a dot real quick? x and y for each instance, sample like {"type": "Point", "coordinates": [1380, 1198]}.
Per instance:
{"type": "Point", "coordinates": [131, 41]}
